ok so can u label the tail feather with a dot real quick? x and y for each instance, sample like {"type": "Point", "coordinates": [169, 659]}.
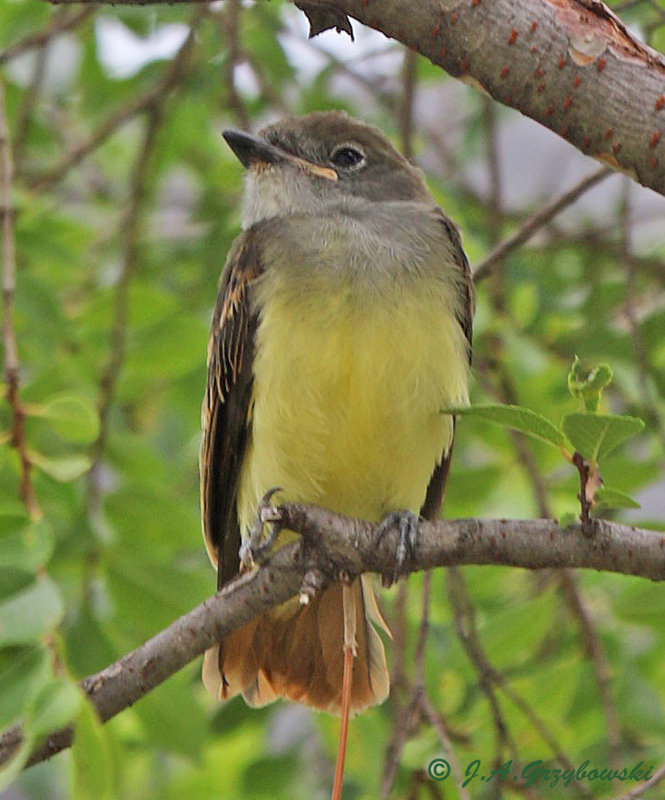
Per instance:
{"type": "Point", "coordinates": [297, 652]}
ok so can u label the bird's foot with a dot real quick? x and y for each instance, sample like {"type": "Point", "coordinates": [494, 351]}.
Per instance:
{"type": "Point", "coordinates": [256, 548]}
{"type": "Point", "coordinates": [407, 523]}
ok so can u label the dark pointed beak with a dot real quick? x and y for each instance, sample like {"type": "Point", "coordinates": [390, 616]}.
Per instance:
{"type": "Point", "coordinates": [250, 150]}
{"type": "Point", "coordinates": [254, 152]}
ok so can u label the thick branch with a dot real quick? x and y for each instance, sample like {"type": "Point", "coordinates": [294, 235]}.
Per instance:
{"type": "Point", "coordinates": [571, 65]}
{"type": "Point", "coordinates": [332, 542]}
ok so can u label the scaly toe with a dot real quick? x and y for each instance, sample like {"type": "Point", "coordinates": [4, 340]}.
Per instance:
{"type": "Point", "coordinates": [407, 523]}
{"type": "Point", "coordinates": [256, 546]}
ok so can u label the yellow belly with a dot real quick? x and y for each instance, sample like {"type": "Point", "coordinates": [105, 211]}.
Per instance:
{"type": "Point", "coordinates": [348, 392]}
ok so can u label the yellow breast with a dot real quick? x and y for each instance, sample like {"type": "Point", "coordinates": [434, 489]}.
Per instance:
{"type": "Point", "coordinates": [348, 390]}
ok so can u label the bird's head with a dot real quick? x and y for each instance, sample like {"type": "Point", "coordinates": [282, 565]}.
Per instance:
{"type": "Point", "coordinates": [304, 165]}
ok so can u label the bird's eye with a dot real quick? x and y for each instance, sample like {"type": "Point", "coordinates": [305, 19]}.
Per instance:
{"type": "Point", "coordinates": [347, 157]}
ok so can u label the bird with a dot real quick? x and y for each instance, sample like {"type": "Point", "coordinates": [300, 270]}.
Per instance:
{"type": "Point", "coordinates": [341, 334]}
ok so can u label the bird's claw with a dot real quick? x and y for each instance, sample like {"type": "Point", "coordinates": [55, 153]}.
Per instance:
{"type": "Point", "coordinates": [407, 523]}
{"type": "Point", "coordinates": [257, 546]}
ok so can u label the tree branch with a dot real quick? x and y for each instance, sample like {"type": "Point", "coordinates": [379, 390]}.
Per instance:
{"type": "Point", "coordinates": [331, 543]}
{"type": "Point", "coordinates": [571, 65]}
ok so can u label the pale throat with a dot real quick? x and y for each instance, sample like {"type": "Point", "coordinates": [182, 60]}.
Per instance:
{"type": "Point", "coordinates": [273, 192]}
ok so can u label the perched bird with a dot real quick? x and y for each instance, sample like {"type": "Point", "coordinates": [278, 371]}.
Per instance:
{"type": "Point", "coordinates": [342, 330]}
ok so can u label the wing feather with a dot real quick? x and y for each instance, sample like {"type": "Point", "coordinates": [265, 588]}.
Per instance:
{"type": "Point", "coordinates": [226, 404]}
{"type": "Point", "coordinates": [431, 508]}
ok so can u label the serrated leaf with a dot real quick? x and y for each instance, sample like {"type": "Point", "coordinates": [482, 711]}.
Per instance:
{"type": "Point", "coordinates": [521, 419]}
{"type": "Point", "coordinates": [72, 416]}
{"type": "Point", "coordinates": [596, 435]}
{"type": "Point", "coordinates": [29, 613]}
{"type": "Point", "coordinates": [64, 468]}
{"type": "Point", "coordinates": [91, 760]}
{"type": "Point", "coordinates": [615, 498]}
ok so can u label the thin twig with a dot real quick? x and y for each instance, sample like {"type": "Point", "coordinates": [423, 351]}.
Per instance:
{"type": "Point", "coordinates": [601, 668]}
{"type": "Point", "coordinates": [641, 359]}
{"type": "Point", "coordinates": [130, 228]}
{"type": "Point", "coordinates": [494, 259]}
{"type": "Point", "coordinates": [28, 104]}
{"type": "Point", "coordinates": [171, 77]}
{"type": "Point", "coordinates": [230, 27]}
{"type": "Point", "coordinates": [12, 366]}
{"type": "Point", "coordinates": [59, 24]}
{"type": "Point", "coordinates": [439, 724]}
{"type": "Point", "coordinates": [118, 337]}
{"type": "Point", "coordinates": [638, 791]}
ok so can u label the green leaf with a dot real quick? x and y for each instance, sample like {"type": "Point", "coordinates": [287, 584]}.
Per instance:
{"type": "Point", "coordinates": [22, 671]}
{"type": "Point", "coordinates": [29, 613]}
{"type": "Point", "coordinates": [55, 706]}
{"type": "Point", "coordinates": [588, 386]}
{"type": "Point", "coordinates": [63, 469]}
{"type": "Point", "coordinates": [173, 700]}
{"type": "Point", "coordinates": [567, 519]}
{"type": "Point", "coordinates": [14, 580]}
{"type": "Point", "coordinates": [29, 547]}
{"type": "Point", "coordinates": [614, 498]}
{"type": "Point", "coordinates": [91, 758]}
{"type": "Point", "coordinates": [521, 419]}
{"type": "Point", "coordinates": [596, 435]}
{"type": "Point", "coordinates": [73, 417]}
{"type": "Point", "coordinates": [10, 772]}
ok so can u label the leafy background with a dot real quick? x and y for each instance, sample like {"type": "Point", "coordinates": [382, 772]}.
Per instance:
{"type": "Point", "coordinates": [126, 201]}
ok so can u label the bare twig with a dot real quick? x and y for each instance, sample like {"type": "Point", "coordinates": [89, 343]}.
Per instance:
{"type": "Point", "coordinates": [641, 359]}
{"type": "Point", "coordinates": [494, 259]}
{"type": "Point", "coordinates": [601, 668]}
{"type": "Point", "coordinates": [439, 724]}
{"type": "Point", "coordinates": [10, 346]}
{"type": "Point", "coordinates": [638, 791]}
{"type": "Point", "coordinates": [118, 337]}
{"type": "Point", "coordinates": [58, 24]}
{"type": "Point", "coordinates": [230, 27]}
{"type": "Point", "coordinates": [28, 105]}
{"type": "Point", "coordinates": [130, 230]}
{"type": "Point", "coordinates": [137, 105]}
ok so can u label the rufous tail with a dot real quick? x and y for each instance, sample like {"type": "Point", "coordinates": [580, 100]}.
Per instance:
{"type": "Point", "coordinates": [297, 652]}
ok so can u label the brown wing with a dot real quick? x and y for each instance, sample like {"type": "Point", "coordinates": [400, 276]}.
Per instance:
{"type": "Point", "coordinates": [431, 508]}
{"type": "Point", "coordinates": [226, 405]}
